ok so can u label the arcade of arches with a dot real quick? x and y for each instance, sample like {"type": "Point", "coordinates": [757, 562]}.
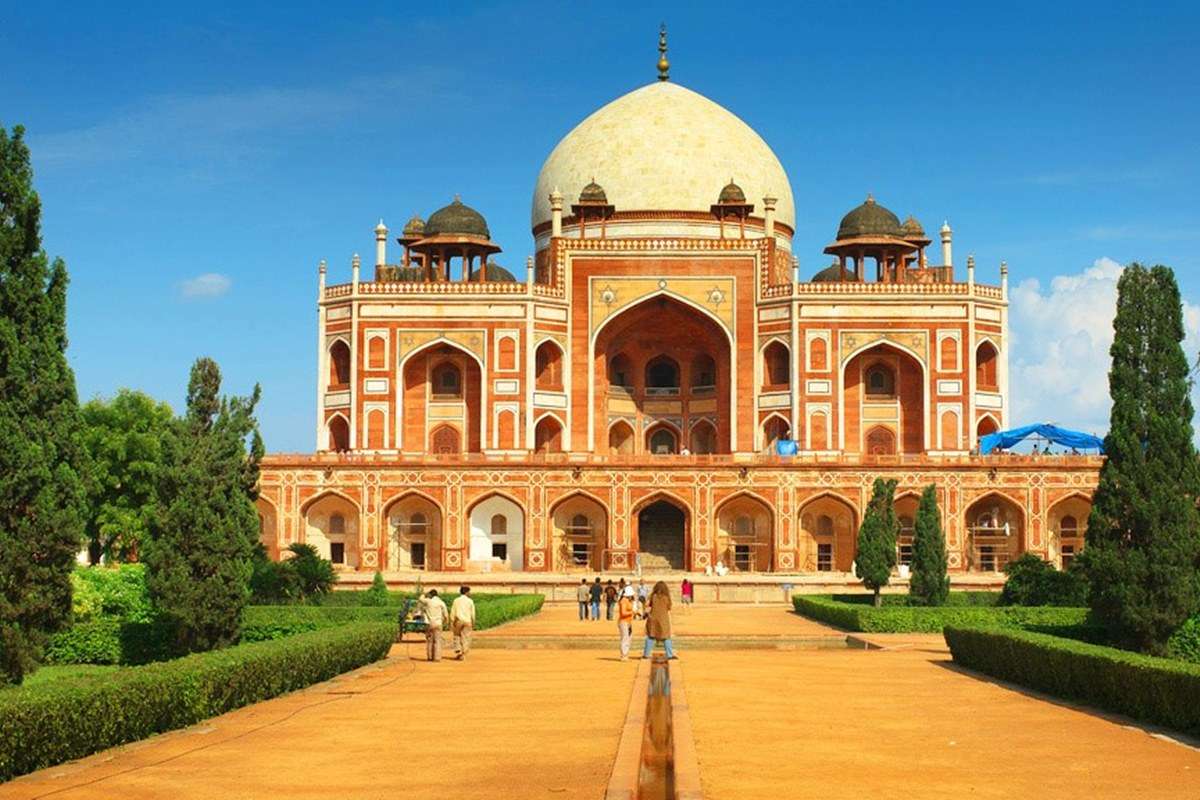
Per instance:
{"type": "Point", "coordinates": [673, 385]}
{"type": "Point", "coordinates": [884, 398]}
{"type": "Point", "coordinates": [742, 532]}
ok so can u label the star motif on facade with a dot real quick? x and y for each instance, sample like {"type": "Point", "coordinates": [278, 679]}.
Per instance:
{"type": "Point", "coordinates": [716, 296]}
{"type": "Point", "coordinates": [608, 295]}
{"type": "Point", "coordinates": [662, 284]}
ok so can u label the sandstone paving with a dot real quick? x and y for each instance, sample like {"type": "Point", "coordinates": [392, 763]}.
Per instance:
{"type": "Point", "coordinates": [500, 724]}
{"type": "Point", "coordinates": [906, 723]}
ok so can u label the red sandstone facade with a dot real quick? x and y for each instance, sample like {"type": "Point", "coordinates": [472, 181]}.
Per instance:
{"type": "Point", "coordinates": [626, 402]}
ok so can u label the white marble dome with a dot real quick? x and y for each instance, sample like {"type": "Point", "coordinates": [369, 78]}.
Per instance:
{"type": "Point", "coordinates": [663, 148]}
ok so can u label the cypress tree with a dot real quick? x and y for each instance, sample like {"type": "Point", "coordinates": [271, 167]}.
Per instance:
{"type": "Point", "coordinates": [1142, 558]}
{"type": "Point", "coordinates": [877, 538]}
{"type": "Point", "coordinates": [41, 454]}
{"type": "Point", "coordinates": [200, 556]}
{"type": "Point", "coordinates": [929, 584]}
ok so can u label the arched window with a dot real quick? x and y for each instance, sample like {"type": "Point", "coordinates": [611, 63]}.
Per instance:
{"type": "Point", "coordinates": [547, 436]}
{"type": "Point", "coordinates": [447, 381]}
{"type": "Point", "coordinates": [881, 441]}
{"type": "Point", "coordinates": [987, 426]}
{"type": "Point", "coordinates": [881, 381]}
{"type": "Point", "coordinates": [704, 438]}
{"type": "Point", "coordinates": [507, 356]}
{"type": "Point", "coordinates": [376, 353]}
{"type": "Point", "coordinates": [1068, 527]}
{"type": "Point", "coordinates": [548, 362]}
{"type": "Point", "coordinates": [444, 440]}
{"type": "Point", "coordinates": [337, 524]}
{"type": "Point", "coordinates": [663, 441]}
{"type": "Point", "coordinates": [985, 368]}
{"type": "Point", "coordinates": [775, 430]}
{"type": "Point", "coordinates": [499, 525]}
{"type": "Point", "coordinates": [662, 375]}
{"type": "Point", "coordinates": [776, 367]}
{"type": "Point", "coordinates": [579, 525]}
{"type": "Point", "coordinates": [704, 373]}
{"type": "Point", "coordinates": [418, 524]}
{"type": "Point", "coordinates": [818, 355]}
{"type": "Point", "coordinates": [339, 434]}
{"type": "Point", "coordinates": [339, 364]}
{"type": "Point", "coordinates": [743, 526]}
{"type": "Point", "coordinates": [824, 525]}
{"type": "Point", "coordinates": [620, 371]}
{"type": "Point", "coordinates": [620, 438]}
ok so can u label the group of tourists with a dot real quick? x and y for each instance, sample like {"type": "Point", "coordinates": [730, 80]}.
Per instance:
{"type": "Point", "coordinates": [629, 602]}
{"type": "Point", "coordinates": [462, 621]}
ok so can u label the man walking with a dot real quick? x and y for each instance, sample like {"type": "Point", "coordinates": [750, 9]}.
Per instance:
{"type": "Point", "coordinates": [582, 594]}
{"type": "Point", "coordinates": [594, 595]}
{"type": "Point", "coordinates": [462, 621]}
{"type": "Point", "coordinates": [434, 611]}
{"type": "Point", "coordinates": [610, 599]}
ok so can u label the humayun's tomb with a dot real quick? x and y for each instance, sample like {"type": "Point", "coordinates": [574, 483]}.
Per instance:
{"type": "Point", "coordinates": [625, 404]}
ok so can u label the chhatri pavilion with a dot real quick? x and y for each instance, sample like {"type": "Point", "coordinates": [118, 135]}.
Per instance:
{"type": "Point", "coordinates": [663, 390]}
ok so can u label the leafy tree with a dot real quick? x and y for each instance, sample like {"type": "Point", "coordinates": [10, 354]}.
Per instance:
{"type": "Point", "coordinates": [1142, 557]}
{"type": "Point", "coordinates": [929, 584]}
{"type": "Point", "coordinates": [272, 582]}
{"type": "Point", "coordinates": [877, 538]}
{"type": "Point", "coordinates": [1033, 581]}
{"type": "Point", "coordinates": [126, 441]}
{"type": "Point", "coordinates": [315, 574]}
{"type": "Point", "coordinates": [42, 460]}
{"type": "Point", "coordinates": [202, 543]}
{"type": "Point", "coordinates": [377, 595]}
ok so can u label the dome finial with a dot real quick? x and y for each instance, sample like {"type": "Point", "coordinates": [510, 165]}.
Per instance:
{"type": "Point", "coordinates": [664, 66]}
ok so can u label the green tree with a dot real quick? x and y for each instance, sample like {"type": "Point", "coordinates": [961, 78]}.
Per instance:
{"type": "Point", "coordinates": [315, 574]}
{"type": "Point", "coordinates": [201, 548]}
{"type": "Point", "coordinates": [42, 460]}
{"type": "Point", "coordinates": [126, 441]}
{"type": "Point", "coordinates": [929, 584]}
{"type": "Point", "coordinates": [877, 538]}
{"type": "Point", "coordinates": [1142, 557]}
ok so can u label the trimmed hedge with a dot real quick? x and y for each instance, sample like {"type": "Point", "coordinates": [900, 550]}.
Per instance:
{"type": "Point", "coordinates": [66, 719]}
{"type": "Point", "coordinates": [1158, 690]}
{"type": "Point", "coordinates": [274, 622]}
{"type": "Point", "coordinates": [954, 599]}
{"type": "Point", "coordinates": [112, 641]}
{"type": "Point", "coordinates": [364, 597]}
{"type": "Point", "coordinates": [866, 618]}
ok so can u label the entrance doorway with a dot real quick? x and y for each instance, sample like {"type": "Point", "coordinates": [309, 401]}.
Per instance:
{"type": "Point", "coordinates": [660, 536]}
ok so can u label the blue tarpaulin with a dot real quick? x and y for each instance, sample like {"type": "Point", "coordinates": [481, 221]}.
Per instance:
{"type": "Point", "coordinates": [1006, 439]}
{"type": "Point", "coordinates": [786, 447]}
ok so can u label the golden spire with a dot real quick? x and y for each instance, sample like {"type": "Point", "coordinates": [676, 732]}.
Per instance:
{"type": "Point", "coordinates": [664, 66]}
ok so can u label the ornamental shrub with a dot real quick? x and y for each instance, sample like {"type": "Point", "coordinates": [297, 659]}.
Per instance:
{"type": "Point", "coordinates": [1184, 644]}
{"type": "Point", "coordinates": [272, 582]}
{"type": "Point", "coordinates": [1033, 581]}
{"type": "Point", "coordinates": [115, 592]}
{"type": "Point", "coordinates": [315, 575]}
{"type": "Point", "coordinates": [876, 553]}
{"type": "Point", "coordinates": [1158, 690]}
{"type": "Point", "coordinates": [57, 721]}
{"type": "Point", "coordinates": [929, 584]}
{"type": "Point", "coordinates": [866, 618]}
{"type": "Point", "coordinates": [111, 641]}
{"type": "Point", "coordinates": [377, 595]}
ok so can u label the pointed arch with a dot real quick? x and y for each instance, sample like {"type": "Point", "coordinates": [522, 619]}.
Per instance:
{"type": "Point", "coordinates": [339, 363]}
{"type": "Point", "coordinates": [547, 433]}
{"type": "Point", "coordinates": [548, 365]}
{"type": "Point", "coordinates": [413, 524]}
{"type": "Point", "coordinates": [987, 358]}
{"type": "Point", "coordinates": [995, 524]}
{"type": "Point", "coordinates": [337, 433]}
{"type": "Point", "coordinates": [775, 428]}
{"type": "Point", "coordinates": [663, 438]}
{"type": "Point", "coordinates": [580, 523]}
{"type": "Point", "coordinates": [745, 536]}
{"type": "Point", "coordinates": [776, 364]}
{"type": "Point", "coordinates": [986, 425]}
{"type": "Point", "coordinates": [828, 533]}
{"type": "Point", "coordinates": [662, 531]}
{"type": "Point", "coordinates": [331, 523]}
{"type": "Point", "coordinates": [497, 546]}
{"type": "Point", "coordinates": [415, 392]}
{"type": "Point", "coordinates": [621, 437]}
{"type": "Point", "coordinates": [702, 437]}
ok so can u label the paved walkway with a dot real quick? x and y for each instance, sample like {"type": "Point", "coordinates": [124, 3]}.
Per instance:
{"type": "Point", "coordinates": [831, 723]}
{"type": "Point", "coordinates": [905, 723]}
{"type": "Point", "coordinates": [500, 724]}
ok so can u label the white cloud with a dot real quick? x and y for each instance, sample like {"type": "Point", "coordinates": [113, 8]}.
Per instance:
{"type": "Point", "coordinates": [210, 284]}
{"type": "Point", "coordinates": [1060, 341]}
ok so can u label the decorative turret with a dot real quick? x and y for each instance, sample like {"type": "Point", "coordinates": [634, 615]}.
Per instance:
{"type": "Point", "coordinates": [872, 231]}
{"type": "Point", "coordinates": [556, 206]}
{"type": "Point", "coordinates": [947, 252]}
{"type": "Point", "coordinates": [593, 205]}
{"type": "Point", "coordinates": [454, 231]}
{"type": "Point", "coordinates": [731, 204]}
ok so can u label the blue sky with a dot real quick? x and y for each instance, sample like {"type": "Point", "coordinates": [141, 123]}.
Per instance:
{"type": "Point", "coordinates": [196, 163]}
